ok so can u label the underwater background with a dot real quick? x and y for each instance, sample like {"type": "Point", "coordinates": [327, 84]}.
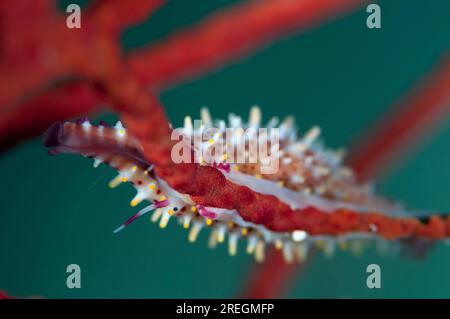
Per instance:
{"type": "Point", "coordinates": [56, 211]}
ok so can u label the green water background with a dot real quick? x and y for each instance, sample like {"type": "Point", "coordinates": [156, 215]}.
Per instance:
{"type": "Point", "coordinates": [342, 76]}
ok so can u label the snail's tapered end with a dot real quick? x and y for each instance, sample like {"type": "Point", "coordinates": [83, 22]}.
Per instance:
{"type": "Point", "coordinates": [54, 135]}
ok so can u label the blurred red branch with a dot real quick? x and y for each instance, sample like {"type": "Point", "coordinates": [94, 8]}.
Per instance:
{"type": "Point", "coordinates": [274, 277]}
{"type": "Point", "coordinates": [40, 56]}
{"type": "Point", "coordinates": [416, 117]}
{"type": "Point", "coordinates": [4, 295]}
{"type": "Point", "coordinates": [229, 34]}
{"type": "Point", "coordinates": [48, 51]}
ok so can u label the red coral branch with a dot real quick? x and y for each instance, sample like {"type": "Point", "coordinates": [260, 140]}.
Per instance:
{"type": "Point", "coordinates": [229, 34]}
{"type": "Point", "coordinates": [25, 32]}
{"type": "Point", "coordinates": [38, 50]}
